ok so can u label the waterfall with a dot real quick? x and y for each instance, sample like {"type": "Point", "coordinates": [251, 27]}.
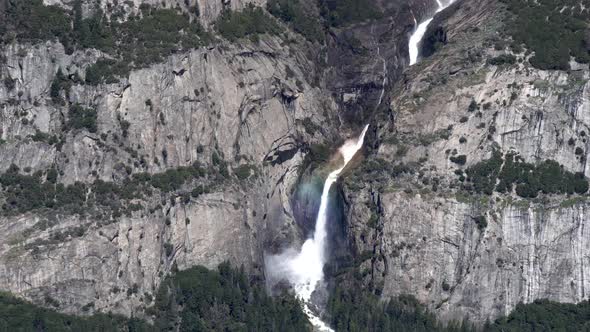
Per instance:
{"type": "Point", "coordinates": [304, 269]}
{"type": "Point", "coordinates": [418, 34]}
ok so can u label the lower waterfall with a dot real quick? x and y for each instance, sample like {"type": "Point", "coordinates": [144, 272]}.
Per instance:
{"type": "Point", "coordinates": [304, 270]}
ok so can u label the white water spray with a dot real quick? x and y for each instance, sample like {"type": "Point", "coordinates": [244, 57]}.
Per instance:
{"type": "Point", "coordinates": [304, 270]}
{"type": "Point", "coordinates": [418, 34]}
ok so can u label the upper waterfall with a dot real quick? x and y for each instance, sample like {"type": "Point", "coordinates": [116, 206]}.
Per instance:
{"type": "Point", "coordinates": [418, 34]}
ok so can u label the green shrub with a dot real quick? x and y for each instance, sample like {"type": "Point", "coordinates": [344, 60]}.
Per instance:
{"type": "Point", "coordinates": [472, 106]}
{"type": "Point", "coordinates": [27, 192]}
{"type": "Point", "coordinates": [51, 176]}
{"type": "Point", "coordinates": [400, 169]}
{"type": "Point", "coordinates": [294, 13]}
{"type": "Point", "coordinates": [23, 193]}
{"type": "Point", "coordinates": [402, 151]}
{"type": "Point", "coordinates": [198, 191]}
{"type": "Point", "coordinates": [445, 286]}
{"type": "Point", "coordinates": [504, 59]}
{"type": "Point", "coordinates": [81, 118]}
{"type": "Point", "coordinates": [459, 160]}
{"type": "Point", "coordinates": [243, 172]}
{"type": "Point", "coordinates": [9, 83]}
{"type": "Point", "coordinates": [173, 179]}
{"type": "Point", "coordinates": [40, 136]}
{"type": "Point", "coordinates": [310, 127]}
{"type": "Point", "coordinates": [168, 249]}
{"type": "Point", "coordinates": [105, 71]}
{"type": "Point", "coordinates": [59, 83]}
{"type": "Point", "coordinates": [483, 175]}
{"type": "Point", "coordinates": [250, 22]}
{"type": "Point", "coordinates": [481, 222]}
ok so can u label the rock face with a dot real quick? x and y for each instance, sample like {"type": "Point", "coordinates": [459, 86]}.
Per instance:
{"type": "Point", "coordinates": [232, 101]}
{"type": "Point", "coordinates": [525, 253]}
{"type": "Point", "coordinates": [425, 234]}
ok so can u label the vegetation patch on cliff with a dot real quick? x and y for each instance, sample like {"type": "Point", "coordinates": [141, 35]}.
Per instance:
{"type": "Point", "coordinates": [250, 22]}
{"type": "Point", "coordinates": [138, 42]}
{"type": "Point", "coordinates": [553, 30]}
{"type": "Point", "coordinates": [506, 173]}
{"type": "Point", "coordinates": [224, 300]}
{"type": "Point", "coordinates": [31, 21]}
{"type": "Point", "coordinates": [81, 118]}
{"type": "Point", "coordinates": [27, 192]}
{"type": "Point", "coordinates": [294, 13]}
{"type": "Point", "coordinates": [344, 12]}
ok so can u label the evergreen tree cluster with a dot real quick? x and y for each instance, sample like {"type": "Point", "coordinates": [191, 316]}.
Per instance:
{"type": "Point", "coordinates": [503, 59]}
{"type": "Point", "coordinates": [553, 29]}
{"type": "Point", "coordinates": [198, 299]}
{"type": "Point", "coordinates": [507, 173]}
{"type": "Point", "coordinates": [544, 316]}
{"type": "Point", "coordinates": [226, 300]}
{"type": "Point", "coordinates": [138, 42]}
